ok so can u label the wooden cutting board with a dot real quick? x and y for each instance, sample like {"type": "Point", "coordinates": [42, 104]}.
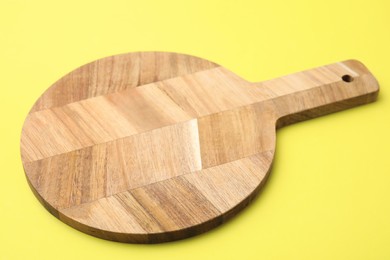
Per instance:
{"type": "Point", "coordinates": [151, 147]}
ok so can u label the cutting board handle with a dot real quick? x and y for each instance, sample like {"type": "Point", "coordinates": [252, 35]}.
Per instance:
{"type": "Point", "coordinates": [320, 91]}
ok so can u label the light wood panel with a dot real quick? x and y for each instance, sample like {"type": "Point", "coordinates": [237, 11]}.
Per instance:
{"type": "Point", "coordinates": [153, 147]}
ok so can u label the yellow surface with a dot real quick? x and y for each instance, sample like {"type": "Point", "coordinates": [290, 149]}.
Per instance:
{"type": "Point", "coordinates": [328, 195]}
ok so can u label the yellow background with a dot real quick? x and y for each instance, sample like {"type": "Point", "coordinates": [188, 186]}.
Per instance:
{"type": "Point", "coordinates": [329, 191]}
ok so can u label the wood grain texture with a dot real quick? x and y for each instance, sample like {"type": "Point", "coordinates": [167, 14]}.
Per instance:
{"type": "Point", "coordinates": [153, 147]}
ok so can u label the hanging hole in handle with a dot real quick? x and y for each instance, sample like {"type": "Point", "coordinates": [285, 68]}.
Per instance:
{"type": "Point", "coordinates": [347, 78]}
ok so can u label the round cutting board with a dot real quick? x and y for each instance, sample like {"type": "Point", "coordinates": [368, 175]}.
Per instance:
{"type": "Point", "coordinates": [151, 147]}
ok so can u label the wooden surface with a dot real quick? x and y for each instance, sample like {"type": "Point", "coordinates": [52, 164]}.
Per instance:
{"type": "Point", "coordinates": [153, 147]}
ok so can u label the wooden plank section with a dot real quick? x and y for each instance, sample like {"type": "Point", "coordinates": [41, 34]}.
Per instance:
{"type": "Point", "coordinates": [119, 213]}
{"type": "Point", "coordinates": [175, 204]}
{"type": "Point", "coordinates": [154, 147]}
{"type": "Point", "coordinates": [237, 133]}
{"type": "Point", "coordinates": [94, 172]}
{"type": "Point", "coordinates": [228, 185]}
{"type": "Point", "coordinates": [210, 92]}
{"type": "Point", "coordinates": [117, 73]}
